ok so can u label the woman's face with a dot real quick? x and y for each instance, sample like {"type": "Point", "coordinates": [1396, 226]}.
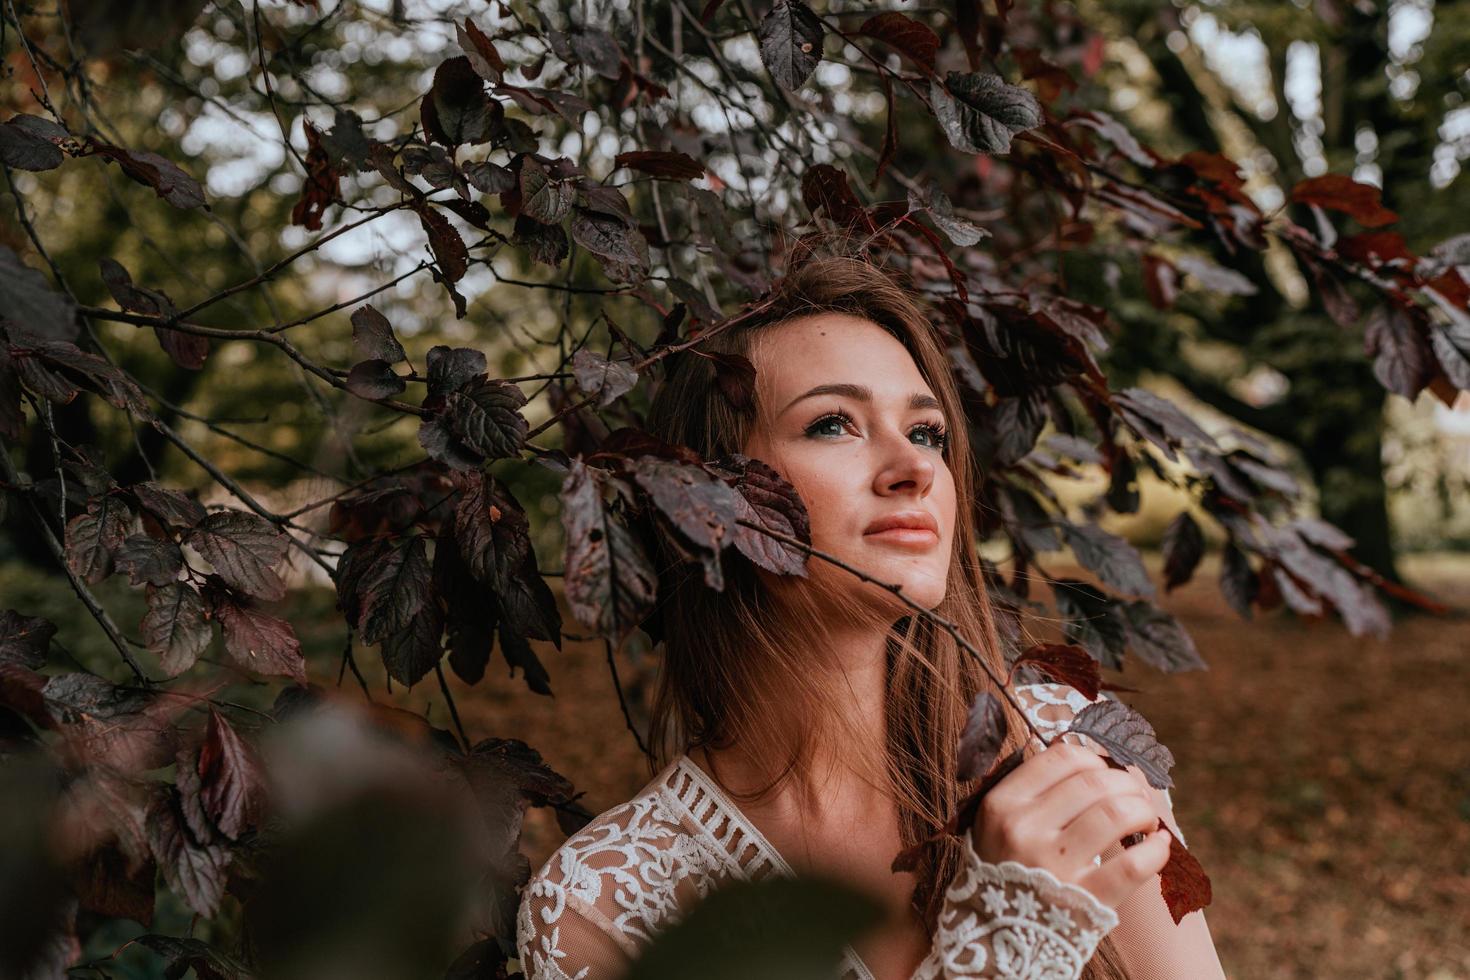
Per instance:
{"type": "Point", "coordinates": [846, 417]}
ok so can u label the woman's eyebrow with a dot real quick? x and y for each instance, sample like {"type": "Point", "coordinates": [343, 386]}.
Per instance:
{"type": "Point", "coordinates": [861, 393]}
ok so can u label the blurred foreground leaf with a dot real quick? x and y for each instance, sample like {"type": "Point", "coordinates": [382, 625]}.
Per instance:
{"type": "Point", "coordinates": [777, 929]}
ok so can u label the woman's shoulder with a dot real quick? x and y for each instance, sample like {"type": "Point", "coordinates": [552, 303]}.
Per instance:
{"type": "Point", "coordinates": [620, 833]}
{"type": "Point", "coordinates": [627, 870]}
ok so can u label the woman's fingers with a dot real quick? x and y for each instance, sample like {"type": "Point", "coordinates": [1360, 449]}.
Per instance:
{"type": "Point", "coordinates": [1005, 824]}
{"type": "Point", "coordinates": [1104, 823]}
{"type": "Point", "coordinates": [1041, 772]}
{"type": "Point", "coordinates": [1124, 873]}
{"type": "Point", "coordinates": [1072, 796]}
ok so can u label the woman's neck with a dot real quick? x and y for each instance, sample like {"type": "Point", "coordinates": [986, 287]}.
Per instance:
{"type": "Point", "coordinates": [845, 767]}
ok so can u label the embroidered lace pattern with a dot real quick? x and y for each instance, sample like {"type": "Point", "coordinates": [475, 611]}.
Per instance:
{"type": "Point", "coordinates": [636, 868]}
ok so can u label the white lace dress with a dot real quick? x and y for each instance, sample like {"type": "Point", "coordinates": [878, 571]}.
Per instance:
{"type": "Point", "coordinates": [633, 870]}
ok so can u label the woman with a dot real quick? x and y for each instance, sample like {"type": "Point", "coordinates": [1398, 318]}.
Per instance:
{"type": "Point", "coordinates": [810, 724]}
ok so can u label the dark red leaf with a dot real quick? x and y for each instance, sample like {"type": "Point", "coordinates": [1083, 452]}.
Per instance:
{"type": "Point", "coordinates": [911, 38]}
{"type": "Point", "coordinates": [1109, 557]}
{"type": "Point", "coordinates": [188, 350]}
{"type": "Point", "coordinates": [412, 651]}
{"type": "Point", "coordinates": [1338, 192]}
{"type": "Point", "coordinates": [244, 550]}
{"type": "Point", "coordinates": [480, 51]}
{"type": "Point", "coordinates": [985, 732]}
{"type": "Point", "coordinates": [517, 652]}
{"type": "Point", "coordinates": [597, 49]}
{"type": "Point", "coordinates": [1238, 582]}
{"type": "Point", "coordinates": [451, 369]}
{"type": "Point", "coordinates": [597, 376]}
{"type": "Point", "coordinates": [1092, 620]}
{"type": "Point", "coordinates": [374, 380]}
{"type": "Point", "coordinates": [980, 113]}
{"type": "Point", "coordinates": [1158, 639]}
{"type": "Point", "coordinates": [1160, 280]}
{"type": "Point", "coordinates": [372, 334]}
{"type": "Point", "coordinates": [174, 626]}
{"type": "Point", "coordinates": [131, 296]}
{"type": "Point", "coordinates": [790, 37]}
{"type": "Point", "coordinates": [152, 170]}
{"type": "Point", "coordinates": [1160, 421]}
{"type": "Point", "coordinates": [489, 178]}
{"type": "Point", "coordinates": [1184, 546]}
{"type": "Point", "coordinates": [1215, 277]}
{"type": "Point", "coordinates": [703, 507]}
{"type": "Point", "coordinates": [485, 417]}
{"type": "Point", "coordinates": [394, 589]}
{"type": "Point", "coordinates": [24, 640]}
{"type": "Point", "coordinates": [45, 368]}
{"type": "Point", "coordinates": [185, 954]}
{"type": "Point", "coordinates": [528, 604]}
{"type": "Point", "coordinates": [456, 110]}
{"type": "Point", "coordinates": [93, 537]}
{"type": "Point", "coordinates": [543, 197]}
{"type": "Point", "coordinates": [111, 884]}
{"type": "Point", "coordinates": [825, 188]}
{"type": "Point", "coordinates": [546, 243]}
{"type": "Point", "coordinates": [1333, 292]}
{"type": "Point", "coordinates": [609, 583]}
{"type": "Point", "coordinates": [611, 240]}
{"type": "Point", "coordinates": [258, 642]}
{"type": "Point", "coordinates": [150, 561]}
{"type": "Point", "coordinates": [1402, 360]}
{"type": "Point", "coordinates": [30, 143]}
{"type": "Point", "coordinates": [29, 300]}
{"type": "Point", "coordinates": [1128, 738]}
{"type": "Point", "coordinates": [194, 871]}
{"type": "Point", "coordinates": [766, 499]}
{"type": "Point", "coordinates": [1185, 886]}
{"type": "Point", "coordinates": [172, 508]}
{"type": "Point", "coordinates": [661, 163]}
{"type": "Point", "coordinates": [470, 619]}
{"type": "Point", "coordinates": [448, 248]}
{"type": "Point", "coordinates": [1117, 134]}
{"type": "Point", "coordinates": [320, 188]}
{"type": "Point", "coordinates": [21, 691]}
{"type": "Point", "coordinates": [736, 377]}
{"type": "Point", "coordinates": [232, 784]}
{"type": "Point", "coordinates": [1064, 662]}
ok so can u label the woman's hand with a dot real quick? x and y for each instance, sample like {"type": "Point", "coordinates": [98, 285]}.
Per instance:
{"type": "Point", "coordinates": [1063, 807]}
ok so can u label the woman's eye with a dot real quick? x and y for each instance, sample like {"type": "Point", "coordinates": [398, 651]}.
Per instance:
{"type": "Point", "coordinates": [928, 435]}
{"type": "Point", "coordinates": [834, 424]}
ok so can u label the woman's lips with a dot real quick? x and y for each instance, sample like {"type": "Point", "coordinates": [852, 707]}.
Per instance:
{"type": "Point", "coordinates": [905, 535]}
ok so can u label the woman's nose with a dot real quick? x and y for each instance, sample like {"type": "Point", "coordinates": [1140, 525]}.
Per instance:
{"type": "Point", "coordinates": [905, 468]}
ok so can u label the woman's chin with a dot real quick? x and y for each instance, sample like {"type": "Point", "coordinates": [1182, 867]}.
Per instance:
{"type": "Point", "coordinates": [919, 586]}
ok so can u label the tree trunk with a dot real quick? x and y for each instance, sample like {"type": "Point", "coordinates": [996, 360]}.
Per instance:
{"type": "Point", "coordinates": [1340, 434]}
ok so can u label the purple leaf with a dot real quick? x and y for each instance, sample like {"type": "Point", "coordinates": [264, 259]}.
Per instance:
{"type": "Point", "coordinates": [244, 550]}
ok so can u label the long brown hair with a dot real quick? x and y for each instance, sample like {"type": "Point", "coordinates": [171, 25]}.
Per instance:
{"type": "Point", "coordinates": [726, 656]}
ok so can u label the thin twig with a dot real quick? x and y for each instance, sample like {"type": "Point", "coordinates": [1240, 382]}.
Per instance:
{"type": "Point", "coordinates": [449, 700]}
{"type": "Point", "coordinates": [85, 594]}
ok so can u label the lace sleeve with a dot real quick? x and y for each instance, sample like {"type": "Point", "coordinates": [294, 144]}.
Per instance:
{"type": "Point", "coordinates": [1016, 922]}
{"type": "Point", "coordinates": [562, 936]}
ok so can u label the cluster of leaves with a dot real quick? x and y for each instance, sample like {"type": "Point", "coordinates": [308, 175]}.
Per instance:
{"type": "Point", "coordinates": [436, 559]}
{"type": "Point", "coordinates": [134, 792]}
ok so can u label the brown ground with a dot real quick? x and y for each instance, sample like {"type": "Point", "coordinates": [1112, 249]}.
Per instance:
{"type": "Point", "coordinates": [1323, 781]}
